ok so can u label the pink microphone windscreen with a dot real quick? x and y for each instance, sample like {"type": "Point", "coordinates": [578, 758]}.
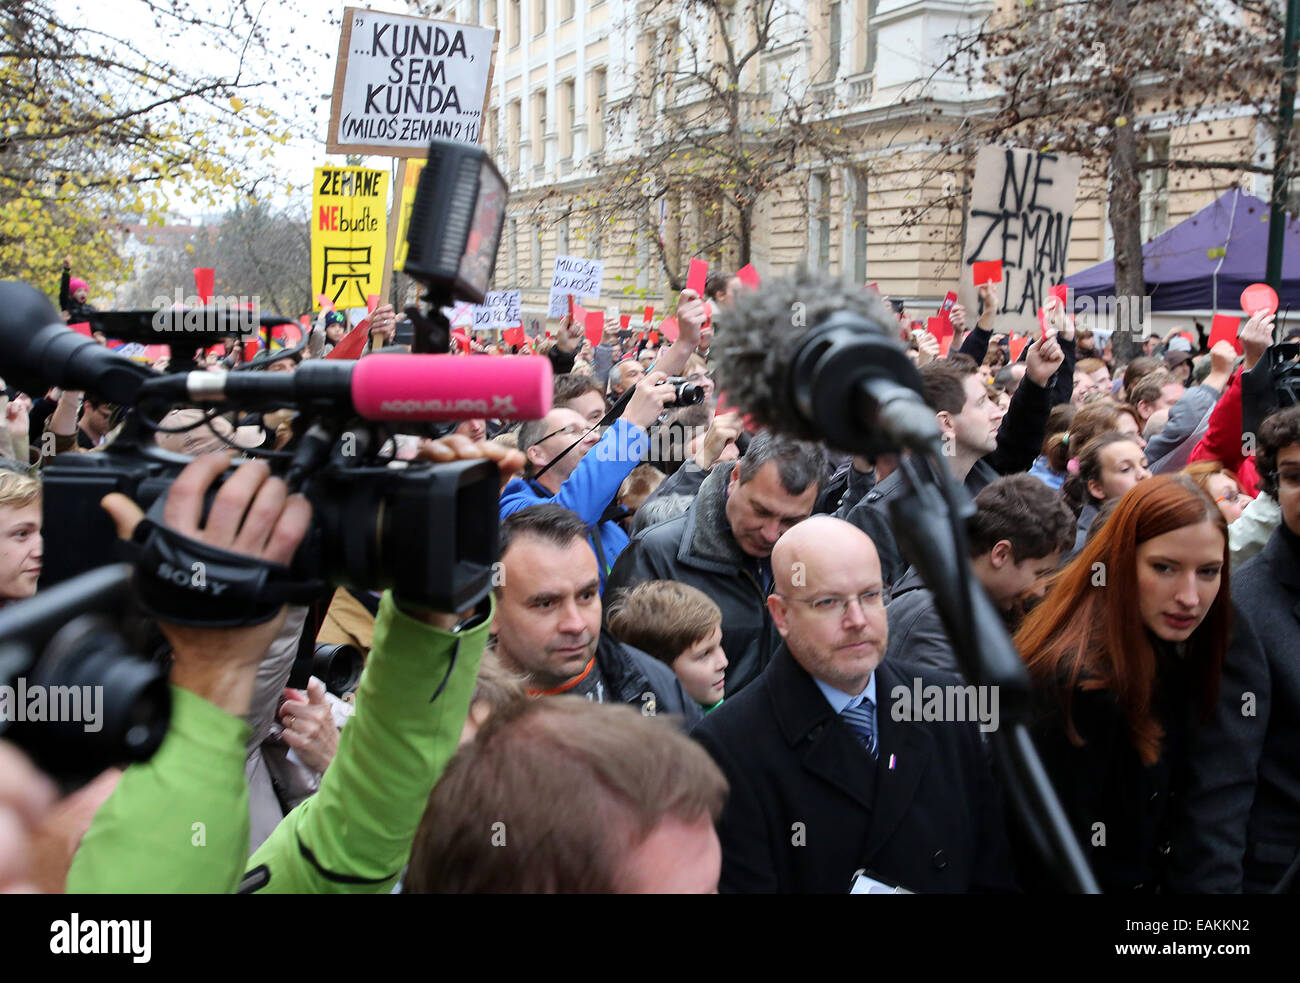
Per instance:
{"type": "Point", "coordinates": [452, 387]}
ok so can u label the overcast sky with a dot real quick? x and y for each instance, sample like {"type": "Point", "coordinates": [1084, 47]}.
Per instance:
{"type": "Point", "coordinates": [309, 30]}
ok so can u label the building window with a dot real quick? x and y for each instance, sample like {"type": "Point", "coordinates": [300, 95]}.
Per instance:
{"type": "Point", "coordinates": [596, 122]}
{"type": "Point", "coordinates": [514, 133]}
{"type": "Point", "coordinates": [859, 228]}
{"type": "Point", "coordinates": [593, 240]}
{"type": "Point", "coordinates": [514, 27]}
{"type": "Point", "coordinates": [539, 128]}
{"type": "Point", "coordinates": [566, 10]}
{"type": "Point", "coordinates": [568, 111]}
{"type": "Point", "coordinates": [869, 65]}
{"type": "Point", "coordinates": [643, 261]}
{"type": "Point", "coordinates": [833, 60]}
{"type": "Point", "coordinates": [1154, 196]}
{"type": "Point", "coordinates": [819, 201]}
{"type": "Point", "coordinates": [514, 251]}
{"type": "Point", "coordinates": [539, 17]}
{"type": "Point", "coordinates": [562, 237]}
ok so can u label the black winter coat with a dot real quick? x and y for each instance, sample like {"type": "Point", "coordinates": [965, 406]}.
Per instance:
{"type": "Point", "coordinates": [809, 807]}
{"type": "Point", "coordinates": [698, 549]}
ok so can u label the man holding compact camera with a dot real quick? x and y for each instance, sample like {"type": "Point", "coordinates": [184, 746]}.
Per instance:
{"type": "Point", "coordinates": [353, 835]}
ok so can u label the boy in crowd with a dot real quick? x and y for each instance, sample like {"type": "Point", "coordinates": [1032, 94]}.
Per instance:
{"type": "Point", "coordinates": [680, 627]}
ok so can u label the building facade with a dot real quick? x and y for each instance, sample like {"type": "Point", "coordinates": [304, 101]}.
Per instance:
{"type": "Point", "coordinates": [585, 91]}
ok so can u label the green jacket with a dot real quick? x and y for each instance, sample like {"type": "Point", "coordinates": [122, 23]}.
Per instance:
{"type": "Point", "coordinates": [178, 823]}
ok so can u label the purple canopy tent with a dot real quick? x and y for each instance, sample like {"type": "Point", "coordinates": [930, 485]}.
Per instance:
{"type": "Point", "coordinates": [1205, 261]}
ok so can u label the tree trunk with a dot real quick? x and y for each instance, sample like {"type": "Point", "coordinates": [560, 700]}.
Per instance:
{"type": "Point", "coordinates": [745, 221]}
{"type": "Point", "coordinates": [1126, 228]}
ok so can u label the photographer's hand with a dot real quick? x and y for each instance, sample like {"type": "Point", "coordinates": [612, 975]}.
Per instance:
{"type": "Point", "coordinates": [253, 515]}
{"type": "Point", "coordinates": [648, 400]}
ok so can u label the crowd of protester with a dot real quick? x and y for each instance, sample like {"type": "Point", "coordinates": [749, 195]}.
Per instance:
{"type": "Point", "coordinates": [686, 676]}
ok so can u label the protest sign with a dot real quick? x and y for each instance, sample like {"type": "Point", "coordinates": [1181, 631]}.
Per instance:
{"type": "Point", "coordinates": [406, 182]}
{"type": "Point", "coordinates": [348, 234]}
{"type": "Point", "coordinates": [500, 309]}
{"type": "Point", "coordinates": [402, 81]}
{"type": "Point", "coordinates": [1021, 213]}
{"type": "Point", "coordinates": [573, 275]}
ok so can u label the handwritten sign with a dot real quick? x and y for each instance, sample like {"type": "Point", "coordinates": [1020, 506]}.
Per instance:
{"type": "Point", "coordinates": [408, 179]}
{"type": "Point", "coordinates": [573, 275]}
{"type": "Point", "coordinates": [500, 309]}
{"type": "Point", "coordinates": [349, 222]}
{"type": "Point", "coordinates": [401, 81]}
{"type": "Point", "coordinates": [1021, 213]}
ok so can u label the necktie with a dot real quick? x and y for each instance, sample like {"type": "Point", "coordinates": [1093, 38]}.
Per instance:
{"type": "Point", "coordinates": [862, 721]}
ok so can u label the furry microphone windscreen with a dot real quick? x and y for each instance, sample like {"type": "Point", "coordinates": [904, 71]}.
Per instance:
{"type": "Point", "coordinates": [758, 336]}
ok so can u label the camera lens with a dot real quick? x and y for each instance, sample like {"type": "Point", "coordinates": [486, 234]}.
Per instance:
{"type": "Point", "coordinates": [338, 667]}
{"type": "Point", "coordinates": [102, 705]}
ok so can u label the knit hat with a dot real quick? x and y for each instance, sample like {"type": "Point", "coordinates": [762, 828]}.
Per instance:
{"type": "Point", "coordinates": [1175, 358]}
{"type": "Point", "coordinates": [76, 283]}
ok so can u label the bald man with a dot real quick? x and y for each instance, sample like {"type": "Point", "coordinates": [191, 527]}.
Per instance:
{"type": "Point", "coordinates": [833, 771]}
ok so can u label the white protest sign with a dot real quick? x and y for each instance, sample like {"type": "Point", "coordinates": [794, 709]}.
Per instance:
{"type": "Point", "coordinates": [500, 309]}
{"type": "Point", "coordinates": [1021, 212]}
{"type": "Point", "coordinates": [402, 81]}
{"type": "Point", "coordinates": [577, 276]}
{"type": "Point", "coordinates": [459, 316]}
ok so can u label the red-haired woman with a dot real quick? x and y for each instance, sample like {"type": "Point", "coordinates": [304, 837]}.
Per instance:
{"type": "Point", "coordinates": [1125, 654]}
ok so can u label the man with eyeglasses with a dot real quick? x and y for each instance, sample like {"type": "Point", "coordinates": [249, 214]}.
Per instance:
{"type": "Point", "coordinates": [828, 779]}
{"type": "Point", "coordinates": [561, 468]}
{"type": "Point", "coordinates": [1243, 803]}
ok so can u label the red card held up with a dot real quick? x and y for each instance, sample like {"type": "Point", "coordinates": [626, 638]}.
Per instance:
{"type": "Point", "coordinates": [573, 308]}
{"type": "Point", "coordinates": [1257, 297]}
{"type": "Point", "coordinates": [81, 327]}
{"type": "Point", "coordinates": [649, 315]}
{"type": "Point", "coordinates": [654, 339]}
{"type": "Point", "coordinates": [944, 344]}
{"type": "Point", "coordinates": [325, 303]}
{"type": "Point", "coordinates": [513, 336]}
{"type": "Point", "coordinates": [669, 327]}
{"type": "Point", "coordinates": [1062, 293]}
{"type": "Point", "coordinates": [372, 301]}
{"type": "Point", "coordinates": [1016, 346]}
{"type": "Point", "coordinates": [940, 327]}
{"type": "Point", "coordinates": [948, 302]}
{"type": "Point", "coordinates": [623, 321]}
{"type": "Point", "coordinates": [696, 277]}
{"type": "Point", "coordinates": [595, 326]}
{"type": "Point", "coordinates": [987, 271]}
{"type": "Point", "coordinates": [1224, 327]}
{"type": "Point", "coordinates": [748, 276]}
{"type": "Point", "coordinates": [204, 280]}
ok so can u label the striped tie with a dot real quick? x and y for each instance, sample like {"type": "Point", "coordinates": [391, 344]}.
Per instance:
{"type": "Point", "coordinates": [862, 721]}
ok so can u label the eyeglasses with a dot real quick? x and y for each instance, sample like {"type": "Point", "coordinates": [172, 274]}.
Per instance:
{"type": "Point", "coordinates": [1291, 479]}
{"type": "Point", "coordinates": [1234, 496]}
{"type": "Point", "coordinates": [572, 430]}
{"type": "Point", "coordinates": [832, 604]}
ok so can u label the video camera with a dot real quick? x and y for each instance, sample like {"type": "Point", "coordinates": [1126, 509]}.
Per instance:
{"type": "Point", "coordinates": [427, 531]}
{"type": "Point", "coordinates": [72, 693]}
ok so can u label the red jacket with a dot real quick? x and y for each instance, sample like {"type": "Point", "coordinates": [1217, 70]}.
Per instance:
{"type": "Point", "coordinates": [1223, 439]}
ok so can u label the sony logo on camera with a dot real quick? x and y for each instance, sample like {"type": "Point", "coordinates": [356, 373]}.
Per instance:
{"type": "Point", "coordinates": [194, 579]}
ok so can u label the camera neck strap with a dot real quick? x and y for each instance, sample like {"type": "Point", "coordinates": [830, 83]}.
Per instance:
{"type": "Point", "coordinates": [612, 414]}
